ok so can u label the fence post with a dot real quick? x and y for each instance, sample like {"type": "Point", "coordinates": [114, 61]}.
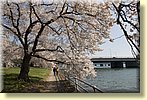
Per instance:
{"type": "Point", "coordinates": [94, 88]}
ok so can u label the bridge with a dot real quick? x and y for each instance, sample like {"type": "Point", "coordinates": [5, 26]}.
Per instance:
{"type": "Point", "coordinates": [115, 62]}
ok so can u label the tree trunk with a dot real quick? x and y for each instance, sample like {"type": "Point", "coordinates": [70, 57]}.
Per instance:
{"type": "Point", "coordinates": [25, 67]}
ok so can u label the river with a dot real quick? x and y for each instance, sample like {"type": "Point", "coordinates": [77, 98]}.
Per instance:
{"type": "Point", "coordinates": [117, 80]}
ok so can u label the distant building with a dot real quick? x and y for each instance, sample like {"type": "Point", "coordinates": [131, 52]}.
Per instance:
{"type": "Point", "coordinates": [115, 62]}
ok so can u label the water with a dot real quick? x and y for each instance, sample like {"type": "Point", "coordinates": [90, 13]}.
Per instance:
{"type": "Point", "coordinates": [117, 80]}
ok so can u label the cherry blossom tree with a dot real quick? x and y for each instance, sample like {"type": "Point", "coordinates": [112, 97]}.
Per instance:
{"type": "Point", "coordinates": [61, 32]}
{"type": "Point", "coordinates": [127, 16]}
{"type": "Point", "coordinates": [11, 52]}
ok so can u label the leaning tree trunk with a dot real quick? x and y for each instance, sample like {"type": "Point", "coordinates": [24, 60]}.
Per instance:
{"type": "Point", "coordinates": [25, 67]}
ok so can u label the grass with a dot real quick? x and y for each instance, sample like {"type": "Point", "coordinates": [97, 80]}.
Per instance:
{"type": "Point", "coordinates": [39, 72]}
{"type": "Point", "coordinates": [11, 84]}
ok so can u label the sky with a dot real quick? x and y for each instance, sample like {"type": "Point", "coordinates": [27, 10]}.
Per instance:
{"type": "Point", "coordinates": [118, 48]}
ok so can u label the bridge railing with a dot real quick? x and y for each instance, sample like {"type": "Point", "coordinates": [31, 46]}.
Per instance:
{"type": "Point", "coordinates": [82, 86]}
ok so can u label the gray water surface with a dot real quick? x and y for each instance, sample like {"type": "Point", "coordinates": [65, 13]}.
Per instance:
{"type": "Point", "coordinates": [117, 80]}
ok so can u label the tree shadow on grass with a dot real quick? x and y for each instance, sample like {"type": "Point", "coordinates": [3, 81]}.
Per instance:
{"type": "Point", "coordinates": [12, 84]}
{"type": "Point", "coordinates": [36, 85]}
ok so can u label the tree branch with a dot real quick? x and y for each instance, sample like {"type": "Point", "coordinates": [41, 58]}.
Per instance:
{"type": "Point", "coordinates": [30, 27]}
{"type": "Point", "coordinates": [125, 32]}
{"type": "Point", "coordinates": [56, 31]}
{"type": "Point", "coordinates": [38, 56]}
{"type": "Point", "coordinates": [37, 37]}
{"type": "Point", "coordinates": [18, 9]}
{"type": "Point", "coordinates": [119, 9]}
{"type": "Point", "coordinates": [7, 27]}
{"type": "Point", "coordinates": [58, 49]}
{"type": "Point", "coordinates": [11, 15]}
{"type": "Point", "coordinates": [62, 8]}
{"type": "Point", "coordinates": [126, 20]}
{"type": "Point", "coordinates": [36, 14]}
{"type": "Point", "coordinates": [19, 37]}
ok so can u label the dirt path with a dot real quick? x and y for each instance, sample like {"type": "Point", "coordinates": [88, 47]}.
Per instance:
{"type": "Point", "coordinates": [51, 77]}
{"type": "Point", "coordinates": [52, 84]}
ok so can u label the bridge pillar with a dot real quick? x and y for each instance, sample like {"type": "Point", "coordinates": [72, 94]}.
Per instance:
{"type": "Point", "coordinates": [124, 64]}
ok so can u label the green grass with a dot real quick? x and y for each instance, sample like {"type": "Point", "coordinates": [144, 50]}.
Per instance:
{"type": "Point", "coordinates": [39, 72]}
{"type": "Point", "coordinates": [11, 84]}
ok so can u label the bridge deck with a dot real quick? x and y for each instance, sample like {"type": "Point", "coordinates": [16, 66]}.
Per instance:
{"type": "Point", "coordinates": [113, 59]}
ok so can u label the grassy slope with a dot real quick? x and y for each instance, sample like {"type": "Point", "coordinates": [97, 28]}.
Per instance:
{"type": "Point", "coordinates": [11, 84]}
